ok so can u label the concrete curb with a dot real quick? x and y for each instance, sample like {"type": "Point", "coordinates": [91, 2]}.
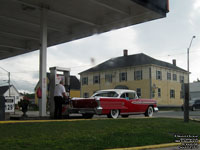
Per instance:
{"type": "Point", "coordinates": [150, 146]}
{"type": "Point", "coordinates": [198, 120]}
{"type": "Point", "coordinates": [35, 121]}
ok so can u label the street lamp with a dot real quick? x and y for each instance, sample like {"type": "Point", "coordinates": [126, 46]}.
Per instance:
{"type": "Point", "coordinates": [8, 78]}
{"type": "Point", "coordinates": [186, 104]}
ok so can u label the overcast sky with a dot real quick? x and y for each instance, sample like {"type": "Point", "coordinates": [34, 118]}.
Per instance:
{"type": "Point", "coordinates": [164, 39]}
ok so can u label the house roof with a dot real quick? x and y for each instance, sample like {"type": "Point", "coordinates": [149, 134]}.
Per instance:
{"type": "Point", "coordinates": [74, 83]}
{"type": "Point", "coordinates": [3, 89]}
{"type": "Point", "coordinates": [195, 87]}
{"type": "Point", "coordinates": [129, 61]}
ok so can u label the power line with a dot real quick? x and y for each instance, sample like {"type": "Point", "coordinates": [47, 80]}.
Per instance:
{"type": "Point", "coordinates": [183, 53]}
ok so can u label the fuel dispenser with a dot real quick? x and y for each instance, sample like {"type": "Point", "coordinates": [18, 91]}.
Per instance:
{"type": "Point", "coordinates": [56, 75]}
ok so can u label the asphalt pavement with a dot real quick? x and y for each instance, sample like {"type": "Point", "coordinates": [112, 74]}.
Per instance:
{"type": "Point", "coordinates": [163, 114]}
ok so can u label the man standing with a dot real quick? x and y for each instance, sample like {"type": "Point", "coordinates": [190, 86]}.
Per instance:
{"type": "Point", "coordinates": [59, 94]}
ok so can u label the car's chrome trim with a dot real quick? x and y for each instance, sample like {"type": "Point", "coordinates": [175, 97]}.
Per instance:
{"type": "Point", "coordinates": [156, 109]}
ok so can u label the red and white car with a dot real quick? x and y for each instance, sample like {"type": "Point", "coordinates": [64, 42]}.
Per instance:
{"type": "Point", "coordinates": [112, 102]}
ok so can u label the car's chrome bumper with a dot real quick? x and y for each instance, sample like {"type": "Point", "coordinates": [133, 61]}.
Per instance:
{"type": "Point", "coordinates": [156, 109]}
{"type": "Point", "coordinates": [97, 110]}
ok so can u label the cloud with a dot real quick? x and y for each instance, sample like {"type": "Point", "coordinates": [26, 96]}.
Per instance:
{"type": "Point", "coordinates": [24, 85]}
{"type": "Point", "coordinates": [196, 5]}
{"type": "Point", "coordinates": [98, 47]}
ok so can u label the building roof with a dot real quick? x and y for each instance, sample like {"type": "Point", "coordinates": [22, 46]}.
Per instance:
{"type": "Point", "coordinates": [74, 83]}
{"type": "Point", "coordinates": [3, 89]}
{"type": "Point", "coordinates": [195, 87]}
{"type": "Point", "coordinates": [129, 61]}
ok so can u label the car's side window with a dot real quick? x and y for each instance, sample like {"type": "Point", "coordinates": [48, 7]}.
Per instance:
{"type": "Point", "coordinates": [131, 95]}
{"type": "Point", "coordinates": [123, 95]}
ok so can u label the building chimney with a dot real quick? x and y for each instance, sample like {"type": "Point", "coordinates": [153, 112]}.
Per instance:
{"type": "Point", "coordinates": [125, 52]}
{"type": "Point", "coordinates": [174, 62]}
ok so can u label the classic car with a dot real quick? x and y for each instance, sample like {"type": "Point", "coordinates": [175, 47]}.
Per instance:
{"type": "Point", "coordinates": [113, 102]}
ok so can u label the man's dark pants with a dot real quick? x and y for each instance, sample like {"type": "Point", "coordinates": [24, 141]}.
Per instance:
{"type": "Point", "coordinates": [58, 107]}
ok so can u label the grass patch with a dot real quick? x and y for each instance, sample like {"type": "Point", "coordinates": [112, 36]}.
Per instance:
{"type": "Point", "coordinates": [93, 134]}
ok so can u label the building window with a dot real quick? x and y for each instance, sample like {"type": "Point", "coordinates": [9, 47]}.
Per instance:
{"type": "Point", "coordinates": [108, 78]}
{"type": "Point", "coordinates": [138, 75]}
{"type": "Point", "coordinates": [181, 79]}
{"type": "Point", "coordinates": [85, 81]}
{"type": "Point", "coordinates": [182, 95]}
{"type": "Point", "coordinates": [172, 93]}
{"type": "Point", "coordinates": [168, 76]}
{"type": "Point", "coordinates": [159, 92]}
{"type": "Point", "coordinates": [85, 95]}
{"type": "Point", "coordinates": [158, 75]}
{"type": "Point", "coordinates": [138, 90]}
{"type": "Point", "coordinates": [174, 77]}
{"type": "Point", "coordinates": [182, 92]}
{"type": "Point", "coordinates": [123, 76]}
{"type": "Point", "coordinates": [96, 79]}
{"type": "Point", "coordinates": [153, 94]}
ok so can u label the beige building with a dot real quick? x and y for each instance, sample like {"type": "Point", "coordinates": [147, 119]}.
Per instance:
{"type": "Point", "coordinates": [151, 78]}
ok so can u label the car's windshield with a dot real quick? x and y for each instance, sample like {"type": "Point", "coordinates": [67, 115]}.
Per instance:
{"type": "Point", "coordinates": [106, 94]}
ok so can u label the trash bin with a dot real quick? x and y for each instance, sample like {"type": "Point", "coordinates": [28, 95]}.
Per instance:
{"type": "Point", "coordinates": [2, 108]}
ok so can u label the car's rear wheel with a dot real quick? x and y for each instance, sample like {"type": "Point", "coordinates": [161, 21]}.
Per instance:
{"type": "Point", "coordinates": [149, 112]}
{"type": "Point", "coordinates": [114, 113]}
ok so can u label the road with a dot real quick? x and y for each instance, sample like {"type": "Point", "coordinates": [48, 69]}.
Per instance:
{"type": "Point", "coordinates": [177, 114]}
{"type": "Point", "coordinates": [167, 114]}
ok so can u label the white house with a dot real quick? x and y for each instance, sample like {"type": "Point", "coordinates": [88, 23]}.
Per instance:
{"type": "Point", "coordinates": [12, 91]}
{"type": "Point", "coordinates": [195, 90]}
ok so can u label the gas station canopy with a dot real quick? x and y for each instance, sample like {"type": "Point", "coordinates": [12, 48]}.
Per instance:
{"type": "Point", "coordinates": [67, 20]}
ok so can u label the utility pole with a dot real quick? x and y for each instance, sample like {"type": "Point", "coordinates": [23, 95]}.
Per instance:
{"type": "Point", "coordinates": [186, 103]}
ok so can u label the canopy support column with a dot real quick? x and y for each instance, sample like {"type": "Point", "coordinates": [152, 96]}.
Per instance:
{"type": "Point", "coordinates": [43, 63]}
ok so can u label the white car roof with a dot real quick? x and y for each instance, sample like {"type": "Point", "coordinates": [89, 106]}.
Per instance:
{"type": "Point", "coordinates": [118, 91]}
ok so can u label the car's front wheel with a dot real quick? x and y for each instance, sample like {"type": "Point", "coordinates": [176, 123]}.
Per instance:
{"type": "Point", "coordinates": [149, 112]}
{"type": "Point", "coordinates": [114, 113]}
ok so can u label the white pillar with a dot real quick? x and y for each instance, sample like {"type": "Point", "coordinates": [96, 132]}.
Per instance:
{"type": "Point", "coordinates": [43, 63]}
